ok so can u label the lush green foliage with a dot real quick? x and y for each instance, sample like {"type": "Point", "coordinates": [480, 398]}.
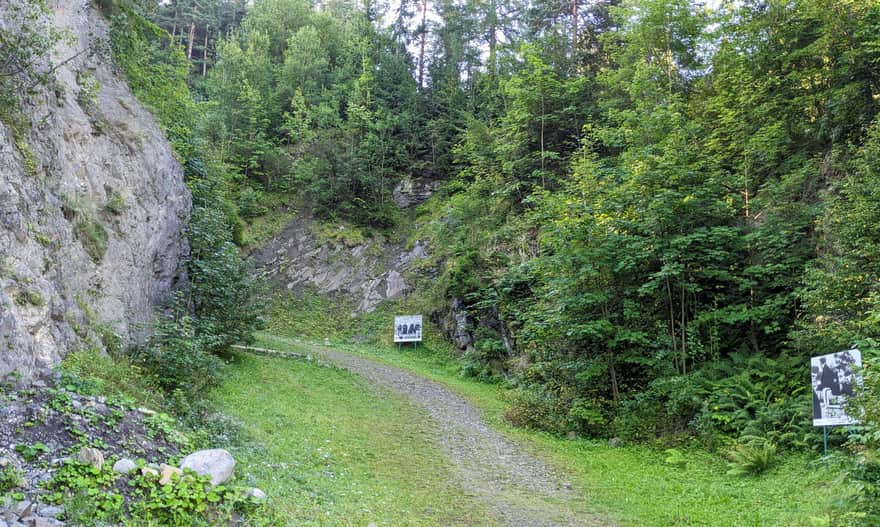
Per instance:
{"type": "Point", "coordinates": [216, 306]}
{"type": "Point", "coordinates": [26, 39]}
{"type": "Point", "coordinates": [223, 293]}
{"type": "Point", "coordinates": [645, 224]}
{"type": "Point", "coordinates": [297, 105]}
{"type": "Point", "coordinates": [656, 211]}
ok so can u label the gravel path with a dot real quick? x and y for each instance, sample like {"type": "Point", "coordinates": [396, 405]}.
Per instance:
{"type": "Point", "coordinates": [519, 489]}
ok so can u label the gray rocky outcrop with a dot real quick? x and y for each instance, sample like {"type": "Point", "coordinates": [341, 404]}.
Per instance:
{"type": "Point", "coordinates": [411, 191]}
{"type": "Point", "coordinates": [370, 271]}
{"type": "Point", "coordinates": [92, 205]}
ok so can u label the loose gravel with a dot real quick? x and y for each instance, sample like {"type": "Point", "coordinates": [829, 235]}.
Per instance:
{"type": "Point", "coordinates": [521, 490]}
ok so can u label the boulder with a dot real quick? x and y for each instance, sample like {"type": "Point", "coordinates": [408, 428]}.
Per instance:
{"type": "Point", "coordinates": [166, 472]}
{"type": "Point", "coordinates": [124, 466]}
{"type": "Point", "coordinates": [91, 456]}
{"type": "Point", "coordinates": [51, 511]}
{"type": "Point", "coordinates": [256, 494]}
{"type": "Point", "coordinates": [39, 521]}
{"type": "Point", "coordinates": [217, 463]}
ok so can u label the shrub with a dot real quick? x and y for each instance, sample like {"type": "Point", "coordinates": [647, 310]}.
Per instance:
{"type": "Point", "coordinates": [665, 408]}
{"type": "Point", "coordinates": [757, 396]}
{"type": "Point", "coordinates": [222, 292]}
{"type": "Point", "coordinates": [250, 203]}
{"type": "Point", "coordinates": [176, 355]}
{"type": "Point", "coordinates": [10, 478]}
{"type": "Point", "coordinates": [29, 297]}
{"type": "Point", "coordinates": [751, 456]}
{"type": "Point", "coordinates": [559, 413]}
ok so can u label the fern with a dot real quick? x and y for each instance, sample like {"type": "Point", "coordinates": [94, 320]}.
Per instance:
{"type": "Point", "coordinates": [751, 456]}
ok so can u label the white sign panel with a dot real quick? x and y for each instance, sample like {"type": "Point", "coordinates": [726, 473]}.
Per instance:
{"type": "Point", "coordinates": [408, 328]}
{"type": "Point", "coordinates": [835, 377]}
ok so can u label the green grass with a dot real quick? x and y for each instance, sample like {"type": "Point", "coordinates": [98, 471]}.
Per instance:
{"type": "Point", "coordinates": [634, 484]}
{"type": "Point", "coordinates": [329, 449]}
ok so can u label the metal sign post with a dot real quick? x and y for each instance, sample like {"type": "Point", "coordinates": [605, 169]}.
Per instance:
{"type": "Point", "coordinates": [825, 444]}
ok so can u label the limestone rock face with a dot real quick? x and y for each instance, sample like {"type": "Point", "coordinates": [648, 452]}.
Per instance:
{"type": "Point", "coordinates": [412, 191]}
{"type": "Point", "coordinates": [369, 271]}
{"type": "Point", "coordinates": [92, 204]}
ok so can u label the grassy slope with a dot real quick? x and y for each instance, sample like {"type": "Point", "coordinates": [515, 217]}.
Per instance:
{"type": "Point", "coordinates": [633, 484]}
{"type": "Point", "coordinates": [331, 450]}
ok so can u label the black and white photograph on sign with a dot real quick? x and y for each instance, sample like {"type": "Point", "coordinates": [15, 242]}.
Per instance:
{"type": "Point", "coordinates": [835, 377]}
{"type": "Point", "coordinates": [408, 328]}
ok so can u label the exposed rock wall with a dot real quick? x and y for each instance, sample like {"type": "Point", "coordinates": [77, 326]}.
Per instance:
{"type": "Point", "coordinates": [92, 205]}
{"type": "Point", "coordinates": [370, 272]}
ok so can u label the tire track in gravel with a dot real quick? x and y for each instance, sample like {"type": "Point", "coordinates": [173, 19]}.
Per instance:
{"type": "Point", "coordinates": [520, 490]}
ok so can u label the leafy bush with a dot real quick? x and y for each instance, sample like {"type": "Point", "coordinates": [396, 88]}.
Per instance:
{"type": "Point", "coordinates": [222, 289]}
{"type": "Point", "coordinates": [90, 488]}
{"type": "Point", "coordinates": [865, 500]}
{"type": "Point", "coordinates": [10, 478]}
{"type": "Point", "coordinates": [250, 203]}
{"type": "Point", "coordinates": [96, 496]}
{"type": "Point", "coordinates": [487, 360]}
{"type": "Point", "coordinates": [176, 355]}
{"type": "Point", "coordinates": [26, 39]}
{"type": "Point", "coordinates": [757, 396]}
{"type": "Point", "coordinates": [665, 408]}
{"type": "Point", "coordinates": [559, 413]}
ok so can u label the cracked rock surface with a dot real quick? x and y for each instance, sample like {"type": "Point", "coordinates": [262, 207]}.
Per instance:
{"type": "Point", "coordinates": [92, 203]}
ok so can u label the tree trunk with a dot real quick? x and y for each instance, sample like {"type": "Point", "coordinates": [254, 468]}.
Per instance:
{"type": "Point", "coordinates": [192, 37]}
{"type": "Point", "coordinates": [174, 26]}
{"type": "Point", "coordinates": [683, 331]}
{"type": "Point", "coordinates": [205, 52]}
{"type": "Point", "coordinates": [493, 37]}
{"type": "Point", "coordinates": [574, 25]}
{"type": "Point", "coordinates": [672, 335]}
{"type": "Point", "coordinates": [612, 370]}
{"type": "Point", "coordinates": [422, 43]}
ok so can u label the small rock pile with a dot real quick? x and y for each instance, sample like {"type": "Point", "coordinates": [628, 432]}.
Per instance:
{"type": "Point", "coordinates": [47, 425]}
{"type": "Point", "coordinates": [218, 464]}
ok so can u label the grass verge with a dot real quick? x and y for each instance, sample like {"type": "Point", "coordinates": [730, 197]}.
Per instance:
{"type": "Point", "coordinates": [331, 450]}
{"type": "Point", "coordinates": [634, 484]}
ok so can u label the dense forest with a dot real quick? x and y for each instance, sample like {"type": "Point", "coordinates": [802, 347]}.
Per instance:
{"type": "Point", "coordinates": [666, 205]}
{"type": "Point", "coordinates": [660, 209]}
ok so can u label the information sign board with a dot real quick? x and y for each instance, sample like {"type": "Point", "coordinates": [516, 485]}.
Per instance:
{"type": "Point", "coordinates": [835, 377]}
{"type": "Point", "coordinates": [408, 328]}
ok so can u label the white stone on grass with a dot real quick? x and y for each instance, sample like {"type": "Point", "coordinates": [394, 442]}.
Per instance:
{"type": "Point", "coordinates": [124, 466]}
{"type": "Point", "coordinates": [217, 463]}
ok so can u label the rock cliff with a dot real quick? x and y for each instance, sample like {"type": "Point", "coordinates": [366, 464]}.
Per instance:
{"type": "Point", "coordinates": [92, 204]}
{"type": "Point", "coordinates": [369, 271]}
